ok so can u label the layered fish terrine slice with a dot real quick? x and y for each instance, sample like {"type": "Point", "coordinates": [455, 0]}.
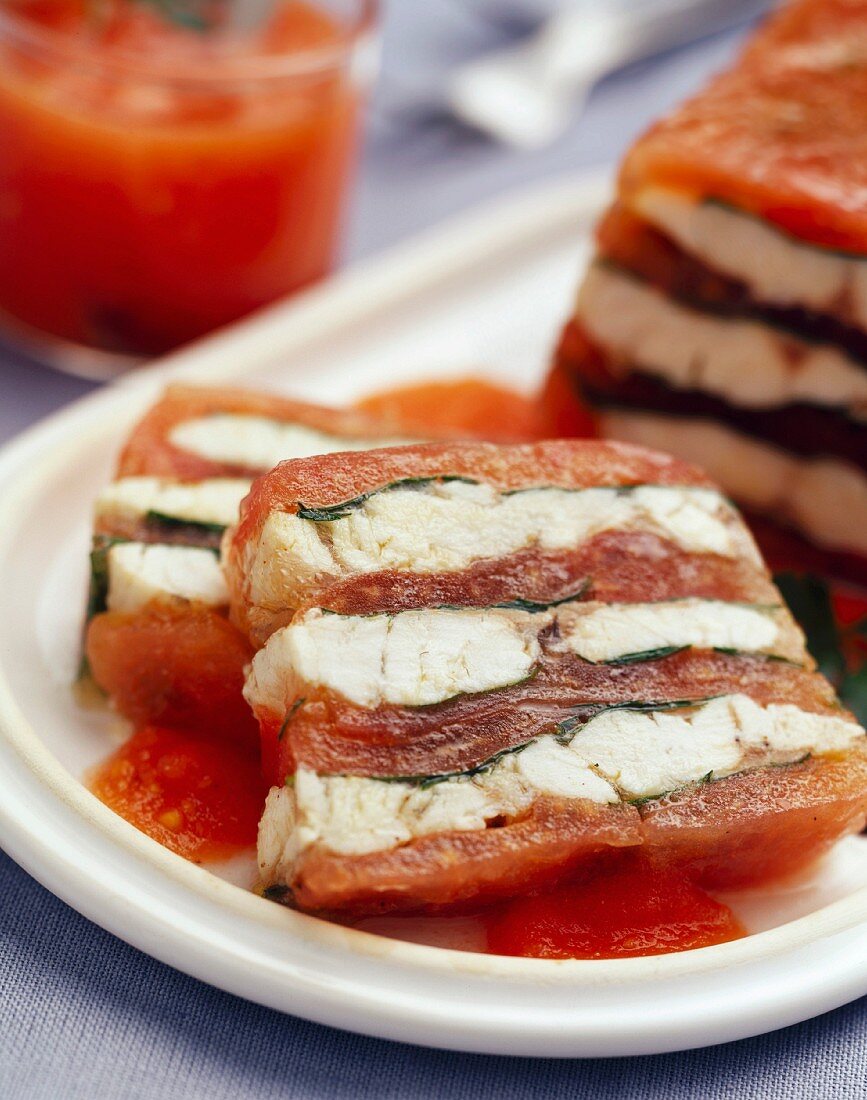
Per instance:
{"type": "Point", "coordinates": [197, 432]}
{"type": "Point", "coordinates": [158, 638]}
{"type": "Point", "coordinates": [481, 667]}
{"type": "Point", "coordinates": [725, 315]}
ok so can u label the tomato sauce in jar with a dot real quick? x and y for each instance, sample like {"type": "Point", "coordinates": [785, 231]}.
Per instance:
{"type": "Point", "coordinates": [159, 178]}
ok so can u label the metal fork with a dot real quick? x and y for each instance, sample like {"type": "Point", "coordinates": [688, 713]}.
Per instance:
{"type": "Point", "coordinates": [526, 95]}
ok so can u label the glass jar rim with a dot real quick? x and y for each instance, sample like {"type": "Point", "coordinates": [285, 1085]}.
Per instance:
{"type": "Point", "coordinates": [304, 62]}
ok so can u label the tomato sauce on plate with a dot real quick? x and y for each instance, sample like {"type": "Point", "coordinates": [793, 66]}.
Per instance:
{"type": "Point", "coordinates": [624, 911]}
{"type": "Point", "coordinates": [471, 407]}
{"type": "Point", "coordinates": [199, 797]}
{"type": "Point", "coordinates": [182, 668]}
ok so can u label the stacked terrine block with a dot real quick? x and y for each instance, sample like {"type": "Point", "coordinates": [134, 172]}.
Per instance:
{"type": "Point", "coordinates": [481, 668]}
{"type": "Point", "coordinates": [724, 318]}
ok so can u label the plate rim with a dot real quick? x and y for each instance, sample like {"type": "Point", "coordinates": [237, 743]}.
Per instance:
{"type": "Point", "coordinates": [364, 288]}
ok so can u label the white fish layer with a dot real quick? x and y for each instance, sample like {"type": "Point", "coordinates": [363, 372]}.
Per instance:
{"type": "Point", "coordinates": [412, 659]}
{"type": "Point", "coordinates": [745, 362]}
{"type": "Point", "coordinates": [608, 632]}
{"type": "Point", "coordinates": [256, 442]}
{"type": "Point", "coordinates": [417, 658]}
{"type": "Point", "coordinates": [145, 573]}
{"type": "Point", "coordinates": [776, 267]}
{"type": "Point", "coordinates": [618, 755]}
{"type": "Point", "coordinates": [214, 501]}
{"type": "Point", "coordinates": [823, 497]}
{"type": "Point", "coordinates": [445, 527]}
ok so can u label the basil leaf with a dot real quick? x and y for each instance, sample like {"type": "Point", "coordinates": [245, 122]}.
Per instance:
{"type": "Point", "coordinates": [97, 592]}
{"type": "Point", "coordinates": [657, 654]}
{"type": "Point", "coordinates": [327, 513]}
{"type": "Point", "coordinates": [164, 520]}
{"type": "Point", "coordinates": [277, 893]}
{"type": "Point", "coordinates": [809, 600]}
{"type": "Point", "coordinates": [567, 729]}
{"type": "Point", "coordinates": [534, 606]}
{"type": "Point", "coordinates": [293, 710]}
{"type": "Point", "coordinates": [425, 782]}
{"type": "Point", "coordinates": [853, 692]}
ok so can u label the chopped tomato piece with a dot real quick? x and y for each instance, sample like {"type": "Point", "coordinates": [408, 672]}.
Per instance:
{"type": "Point", "coordinates": [198, 797]}
{"type": "Point", "coordinates": [632, 909]}
{"type": "Point", "coordinates": [563, 408]}
{"type": "Point", "coordinates": [178, 667]}
{"type": "Point", "coordinates": [469, 408]}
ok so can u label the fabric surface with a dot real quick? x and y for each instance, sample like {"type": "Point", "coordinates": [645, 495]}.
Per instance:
{"type": "Point", "coordinates": [85, 1017]}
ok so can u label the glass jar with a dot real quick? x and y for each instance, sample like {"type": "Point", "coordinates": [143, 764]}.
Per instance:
{"type": "Point", "coordinates": [159, 179]}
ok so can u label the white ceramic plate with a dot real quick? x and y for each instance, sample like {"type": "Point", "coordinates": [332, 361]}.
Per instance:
{"type": "Point", "coordinates": [486, 295]}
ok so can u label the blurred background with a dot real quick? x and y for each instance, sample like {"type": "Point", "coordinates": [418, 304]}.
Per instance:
{"type": "Point", "coordinates": [421, 163]}
{"type": "Point", "coordinates": [473, 98]}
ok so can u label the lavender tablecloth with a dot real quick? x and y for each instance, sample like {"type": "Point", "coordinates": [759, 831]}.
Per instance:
{"type": "Point", "coordinates": [82, 1015]}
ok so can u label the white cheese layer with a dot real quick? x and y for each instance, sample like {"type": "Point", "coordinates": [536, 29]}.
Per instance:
{"type": "Point", "coordinates": [776, 267]}
{"type": "Point", "coordinates": [445, 527]}
{"type": "Point", "coordinates": [825, 498]}
{"type": "Point", "coordinates": [413, 659]}
{"type": "Point", "coordinates": [417, 658]}
{"type": "Point", "coordinates": [214, 501]}
{"type": "Point", "coordinates": [749, 364]}
{"type": "Point", "coordinates": [618, 755]}
{"type": "Point", "coordinates": [256, 442]}
{"type": "Point", "coordinates": [143, 573]}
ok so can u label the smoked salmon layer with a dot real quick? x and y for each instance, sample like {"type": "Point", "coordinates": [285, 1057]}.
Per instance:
{"type": "Point", "coordinates": [485, 666]}
{"type": "Point", "coordinates": [158, 638]}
